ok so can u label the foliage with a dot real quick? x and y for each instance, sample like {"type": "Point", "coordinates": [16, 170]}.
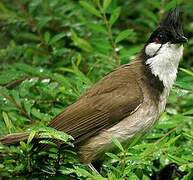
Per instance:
{"type": "Point", "coordinates": [51, 51]}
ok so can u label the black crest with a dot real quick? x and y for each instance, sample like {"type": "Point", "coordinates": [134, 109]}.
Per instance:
{"type": "Point", "coordinates": [169, 30]}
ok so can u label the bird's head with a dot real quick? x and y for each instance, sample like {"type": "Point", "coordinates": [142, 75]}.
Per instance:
{"type": "Point", "coordinates": [169, 34]}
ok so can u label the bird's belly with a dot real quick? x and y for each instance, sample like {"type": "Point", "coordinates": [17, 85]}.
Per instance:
{"type": "Point", "coordinates": [142, 119]}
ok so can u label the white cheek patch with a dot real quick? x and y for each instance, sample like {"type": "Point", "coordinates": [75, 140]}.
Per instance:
{"type": "Point", "coordinates": [152, 48]}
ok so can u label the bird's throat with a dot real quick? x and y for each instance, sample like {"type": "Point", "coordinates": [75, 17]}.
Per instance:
{"type": "Point", "coordinates": [165, 63]}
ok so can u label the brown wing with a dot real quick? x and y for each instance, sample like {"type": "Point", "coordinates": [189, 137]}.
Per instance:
{"type": "Point", "coordinates": [101, 107]}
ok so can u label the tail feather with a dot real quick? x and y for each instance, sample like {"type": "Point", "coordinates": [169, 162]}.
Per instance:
{"type": "Point", "coordinates": [14, 138]}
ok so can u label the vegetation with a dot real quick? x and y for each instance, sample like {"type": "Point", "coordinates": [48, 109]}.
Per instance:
{"type": "Point", "coordinates": [52, 51]}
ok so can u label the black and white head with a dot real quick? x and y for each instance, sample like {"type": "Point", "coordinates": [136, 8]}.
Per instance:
{"type": "Point", "coordinates": [164, 48]}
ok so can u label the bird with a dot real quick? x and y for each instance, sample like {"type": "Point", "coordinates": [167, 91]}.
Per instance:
{"type": "Point", "coordinates": [127, 101]}
{"type": "Point", "coordinates": [168, 172]}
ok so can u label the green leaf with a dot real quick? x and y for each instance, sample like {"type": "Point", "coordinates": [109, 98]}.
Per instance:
{"type": "Point", "coordinates": [81, 43]}
{"type": "Point", "coordinates": [114, 16]}
{"type": "Point", "coordinates": [60, 79]}
{"type": "Point", "coordinates": [23, 145]}
{"type": "Point", "coordinates": [188, 112]}
{"type": "Point", "coordinates": [47, 37]}
{"type": "Point", "coordinates": [177, 159]}
{"type": "Point", "coordinates": [28, 69]}
{"type": "Point", "coordinates": [16, 97]}
{"type": "Point", "coordinates": [106, 4]}
{"type": "Point", "coordinates": [113, 156]}
{"type": "Point", "coordinates": [187, 71]}
{"type": "Point", "coordinates": [51, 133]}
{"type": "Point", "coordinates": [81, 75]}
{"type": "Point", "coordinates": [172, 4]}
{"type": "Point", "coordinates": [57, 38]}
{"type": "Point", "coordinates": [10, 75]}
{"type": "Point", "coordinates": [31, 136]}
{"type": "Point", "coordinates": [48, 142]}
{"type": "Point", "coordinates": [123, 35]}
{"type": "Point", "coordinates": [83, 172]}
{"type": "Point", "coordinates": [116, 142]}
{"type": "Point", "coordinates": [188, 136]}
{"type": "Point", "coordinates": [27, 105]}
{"type": "Point", "coordinates": [7, 121]}
{"type": "Point", "coordinates": [28, 36]}
{"type": "Point", "coordinates": [184, 85]}
{"type": "Point", "coordinates": [90, 8]}
{"type": "Point", "coordinates": [36, 113]}
{"type": "Point", "coordinates": [96, 27]}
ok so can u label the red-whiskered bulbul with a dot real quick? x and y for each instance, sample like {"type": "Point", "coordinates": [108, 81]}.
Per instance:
{"type": "Point", "coordinates": [127, 101]}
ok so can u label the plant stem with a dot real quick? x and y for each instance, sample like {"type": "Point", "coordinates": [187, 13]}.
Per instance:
{"type": "Point", "coordinates": [123, 164]}
{"type": "Point", "coordinates": [110, 35]}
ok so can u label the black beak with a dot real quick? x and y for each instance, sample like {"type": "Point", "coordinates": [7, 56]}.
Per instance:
{"type": "Point", "coordinates": [180, 39]}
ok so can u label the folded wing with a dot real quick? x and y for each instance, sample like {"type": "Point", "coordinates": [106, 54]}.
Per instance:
{"type": "Point", "coordinates": [109, 101]}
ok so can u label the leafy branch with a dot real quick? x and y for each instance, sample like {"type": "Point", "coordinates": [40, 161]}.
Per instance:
{"type": "Point", "coordinates": [108, 26]}
{"type": "Point", "coordinates": [101, 13]}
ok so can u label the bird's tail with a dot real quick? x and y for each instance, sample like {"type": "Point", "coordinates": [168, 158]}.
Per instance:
{"type": "Point", "coordinates": [14, 138]}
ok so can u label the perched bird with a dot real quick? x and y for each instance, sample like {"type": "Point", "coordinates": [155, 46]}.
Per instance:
{"type": "Point", "coordinates": [127, 101]}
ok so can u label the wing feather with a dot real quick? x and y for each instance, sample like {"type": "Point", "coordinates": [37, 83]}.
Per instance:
{"type": "Point", "coordinates": [105, 104]}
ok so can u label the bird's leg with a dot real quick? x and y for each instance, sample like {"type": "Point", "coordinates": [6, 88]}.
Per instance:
{"type": "Point", "coordinates": [92, 168]}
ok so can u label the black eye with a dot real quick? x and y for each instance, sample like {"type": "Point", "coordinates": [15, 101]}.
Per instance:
{"type": "Point", "coordinates": [160, 38]}
{"type": "Point", "coordinates": [160, 35]}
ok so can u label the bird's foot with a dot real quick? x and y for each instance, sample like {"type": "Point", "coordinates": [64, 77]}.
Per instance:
{"type": "Point", "coordinates": [93, 168]}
